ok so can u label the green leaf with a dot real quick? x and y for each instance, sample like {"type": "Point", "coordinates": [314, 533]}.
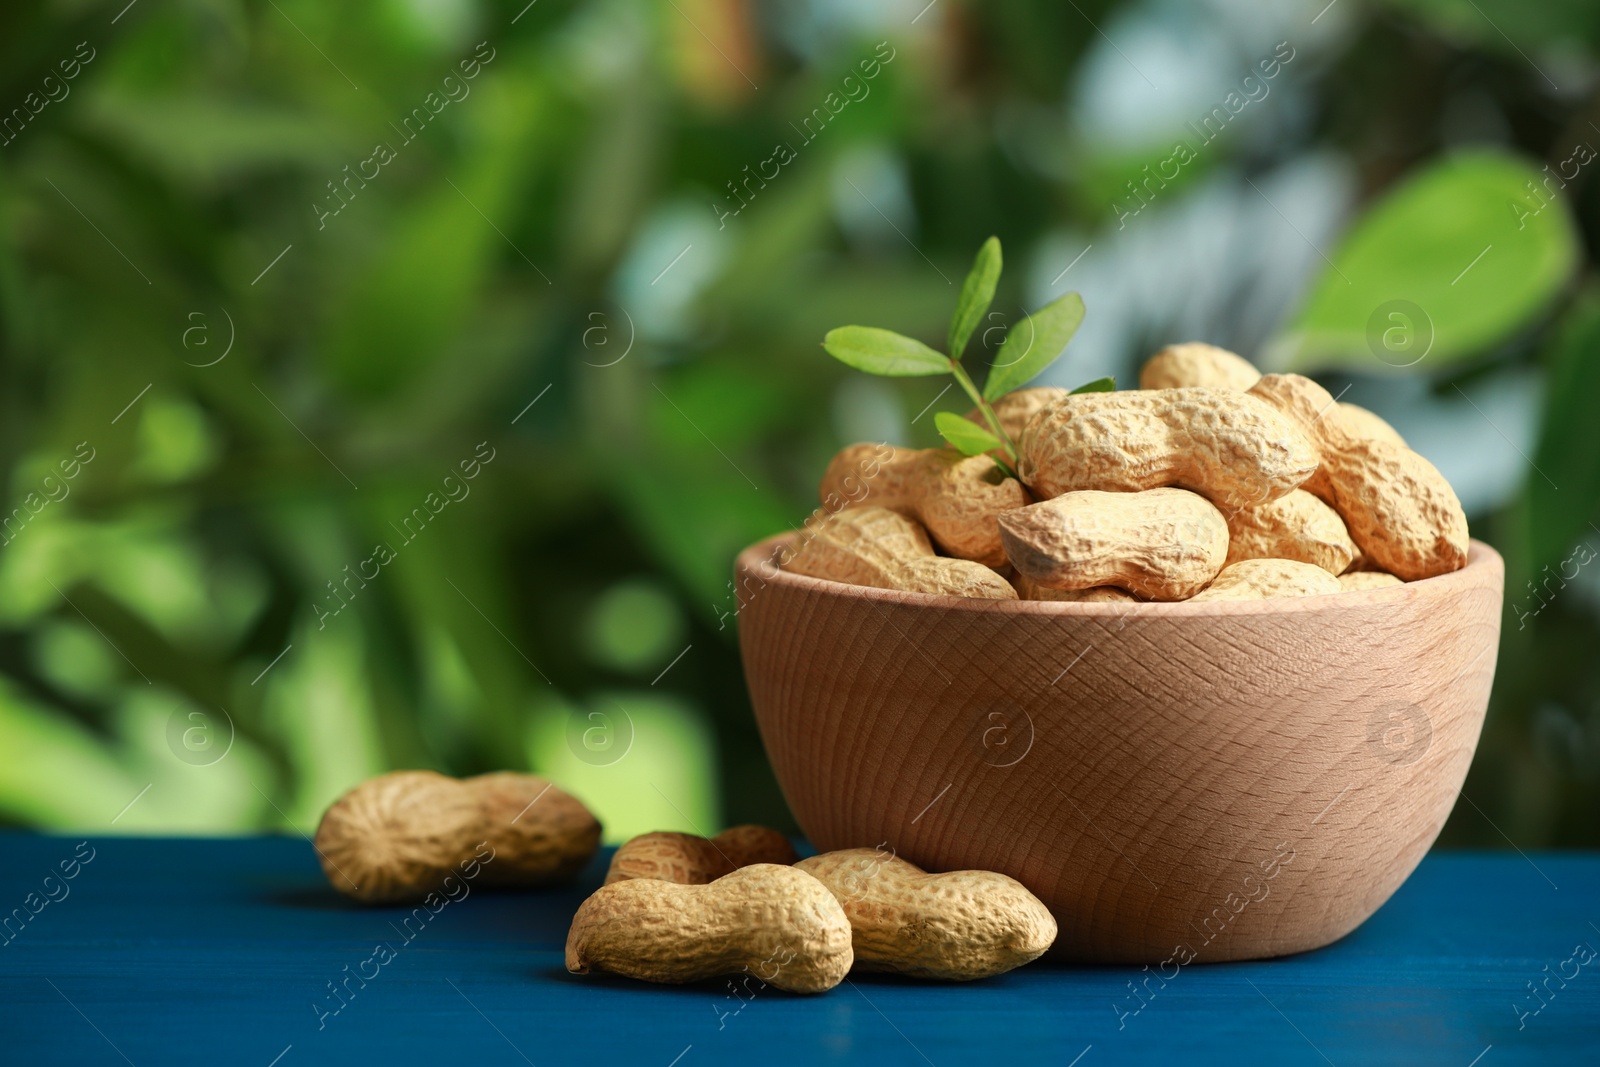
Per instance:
{"type": "Point", "coordinates": [1099, 385]}
{"type": "Point", "coordinates": [1451, 263]}
{"type": "Point", "coordinates": [1563, 490]}
{"type": "Point", "coordinates": [1032, 346]}
{"type": "Point", "coordinates": [964, 435]}
{"type": "Point", "coordinates": [1539, 26]}
{"type": "Point", "coordinates": [883, 352]}
{"type": "Point", "coordinates": [977, 293]}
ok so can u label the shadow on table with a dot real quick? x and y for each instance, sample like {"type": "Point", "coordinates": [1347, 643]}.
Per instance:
{"type": "Point", "coordinates": [314, 897]}
{"type": "Point", "coordinates": [867, 980]}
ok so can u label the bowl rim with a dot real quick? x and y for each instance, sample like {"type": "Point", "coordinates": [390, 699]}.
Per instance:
{"type": "Point", "coordinates": [757, 559]}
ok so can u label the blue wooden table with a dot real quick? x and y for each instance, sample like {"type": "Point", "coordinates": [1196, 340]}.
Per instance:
{"type": "Point", "coordinates": [229, 952]}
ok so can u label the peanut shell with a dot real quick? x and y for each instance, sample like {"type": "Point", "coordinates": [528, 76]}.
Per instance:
{"type": "Point", "coordinates": [1028, 589]}
{"type": "Point", "coordinates": [1178, 366]}
{"type": "Point", "coordinates": [1160, 544]}
{"type": "Point", "coordinates": [1194, 363]}
{"type": "Point", "coordinates": [774, 922]}
{"type": "Point", "coordinates": [957, 926]}
{"type": "Point", "coordinates": [1367, 580]}
{"type": "Point", "coordinates": [877, 547]}
{"type": "Point", "coordinates": [1359, 422]}
{"type": "Point", "coordinates": [1268, 579]}
{"type": "Point", "coordinates": [957, 498]}
{"type": "Point", "coordinates": [692, 860]}
{"type": "Point", "coordinates": [541, 835]}
{"type": "Point", "coordinates": [1297, 526]}
{"type": "Point", "coordinates": [1226, 445]}
{"type": "Point", "coordinates": [399, 836]}
{"type": "Point", "coordinates": [1399, 509]}
{"type": "Point", "coordinates": [1017, 408]}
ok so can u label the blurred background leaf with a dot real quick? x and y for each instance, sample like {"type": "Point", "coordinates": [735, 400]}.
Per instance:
{"type": "Point", "coordinates": [1487, 215]}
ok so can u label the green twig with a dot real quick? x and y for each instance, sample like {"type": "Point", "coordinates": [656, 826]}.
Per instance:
{"type": "Point", "coordinates": [988, 414]}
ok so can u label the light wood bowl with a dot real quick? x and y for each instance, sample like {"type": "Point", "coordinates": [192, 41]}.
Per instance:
{"type": "Point", "coordinates": [1220, 781]}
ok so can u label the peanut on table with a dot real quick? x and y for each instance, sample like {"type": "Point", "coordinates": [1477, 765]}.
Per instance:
{"type": "Point", "coordinates": [680, 908]}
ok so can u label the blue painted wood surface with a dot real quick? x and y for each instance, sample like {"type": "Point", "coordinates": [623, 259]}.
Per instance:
{"type": "Point", "coordinates": [226, 951]}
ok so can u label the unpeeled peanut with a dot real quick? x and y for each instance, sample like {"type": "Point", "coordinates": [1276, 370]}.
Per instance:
{"type": "Point", "coordinates": [957, 498]}
{"type": "Point", "coordinates": [1360, 563]}
{"type": "Point", "coordinates": [1177, 366]}
{"type": "Point", "coordinates": [1017, 408]}
{"type": "Point", "coordinates": [692, 860]}
{"type": "Point", "coordinates": [1229, 446]}
{"type": "Point", "coordinates": [1028, 589]}
{"type": "Point", "coordinates": [1268, 579]}
{"type": "Point", "coordinates": [877, 547]}
{"type": "Point", "coordinates": [1194, 363]}
{"type": "Point", "coordinates": [1160, 544]}
{"type": "Point", "coordinates": [1399, 509]}
{"type": "Point", "coordinates": [1367, 580]}
{"type": "Point", "coordinates": [399, 836]}
{"type": "Point", "coordinates": [956, 926]}
{"type": "Point", "coordinates": [1297, 526]}
{"type": "Point", "coordinates": [1359, 422]}
{"type": "Point", "coordinates": [775, 922]}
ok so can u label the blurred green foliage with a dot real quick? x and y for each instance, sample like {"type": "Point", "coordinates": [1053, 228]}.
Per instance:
{"type": "Point", "coordinates": [584, 264]}
{"type": "Point", "coordinates": [1454, 213]}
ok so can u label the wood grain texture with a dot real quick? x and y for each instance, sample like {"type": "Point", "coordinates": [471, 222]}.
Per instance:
{"type": "Point", "coordinates": [1227, 780]}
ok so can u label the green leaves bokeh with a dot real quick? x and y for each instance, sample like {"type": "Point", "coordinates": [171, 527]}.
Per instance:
{"type": "Point", "coordinates": [587, 265]}
{"type": "Point", "coordinates": [1475, 241]}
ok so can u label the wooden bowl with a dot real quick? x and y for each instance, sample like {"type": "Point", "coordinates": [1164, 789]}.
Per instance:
{"type": "Point", "coordinates": [1213, 781]}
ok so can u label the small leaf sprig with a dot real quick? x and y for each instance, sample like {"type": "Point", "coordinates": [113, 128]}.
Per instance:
{"type": "Point", "coordinates": [884, 352]}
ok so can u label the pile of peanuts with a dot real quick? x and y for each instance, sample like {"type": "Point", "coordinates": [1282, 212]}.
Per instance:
{"type": "Point", "coordinates": [1210, 481]}
{"type": "Point", "coordinates": [676, 907]}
